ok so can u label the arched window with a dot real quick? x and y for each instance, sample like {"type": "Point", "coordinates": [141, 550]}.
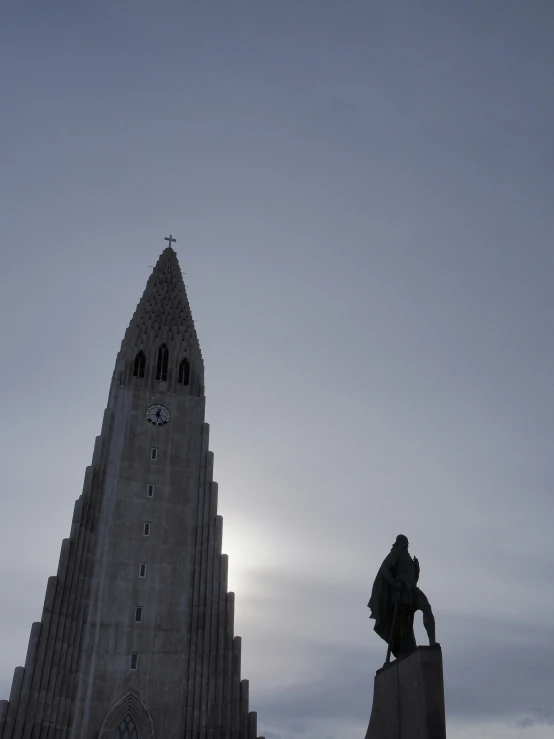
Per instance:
{"type": "Point", "coordinates": [184, 372]}
{"type": "Point", "coordinates": [126, 729]}
{"type": "Point", "coordinates": [163, 361]}
{"type": "Point", "coordinates": [127, 719]}
{"type": "Point", "coordinates": [140, 365]}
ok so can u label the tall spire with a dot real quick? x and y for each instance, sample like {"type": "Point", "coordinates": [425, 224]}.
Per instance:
{"type": "Point", "coordinates": [137, 628]}
{"type": "Point", "coordinates": [164, 307]}
{"type": "Point", "coordinates": [163, 316]}
{"type": "Point", "coordinates": [163, 313]}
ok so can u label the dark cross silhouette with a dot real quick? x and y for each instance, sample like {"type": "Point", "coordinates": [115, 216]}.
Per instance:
{"type": "Point", "coordinates": [170, 239]}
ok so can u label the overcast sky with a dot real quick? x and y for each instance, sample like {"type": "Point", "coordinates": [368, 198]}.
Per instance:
{"type": "Point", "coordinates": [362, 193]}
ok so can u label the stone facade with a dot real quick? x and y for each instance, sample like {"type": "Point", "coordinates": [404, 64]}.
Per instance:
{"type": "Point", "coordinates": [136, 638]}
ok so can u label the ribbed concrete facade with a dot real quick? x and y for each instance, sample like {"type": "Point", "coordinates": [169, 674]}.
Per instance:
{"type": "Point", "coordinates": [136, 639]}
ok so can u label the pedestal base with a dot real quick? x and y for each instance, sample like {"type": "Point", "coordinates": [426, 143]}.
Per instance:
{"type": "Point", "coordinates": [408, 698]}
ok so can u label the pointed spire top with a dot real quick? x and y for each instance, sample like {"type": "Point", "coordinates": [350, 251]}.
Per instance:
{"type": "Point", "coordinates": [163, 313]}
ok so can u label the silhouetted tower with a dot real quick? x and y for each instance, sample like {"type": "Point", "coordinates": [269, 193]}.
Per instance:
{"type": "Point", "coordinates": [136, 639]}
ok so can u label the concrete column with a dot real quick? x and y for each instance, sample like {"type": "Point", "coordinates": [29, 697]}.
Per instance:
{"type": "Point", "coordinates": [97, 450]}
{"type": "Point", "coordinates": [64, 557]}
{"type": "Point", "coordinates": [208, 487]}
{"type": "Point", "coordinates": [243, 710]}
{"type": "Point", "coordinates": [205, 596]}
{"type": "Point", "coordinates": [228, 688]}
{"type": "Point", "coordinates": [209, 635]}
{"type": "Point", "coordinates": [49, 669]}
{"type": "Point", "coordinates": [65, 571]}
{"type": "Point", "coordinates": [197, 627]}
{"type": "Point", "coordinates": [201, 630]}
{"type": "Point", "coordinates": [83, 545]}
{"type": "Point", "coordinates": [78, 590]}
{"type": "Point", "coordinates": [215, 645]}
{"type": "Point", "coordinates": [3, 712]}
{"type": "Point", "coordinates": [252, 725]}
{"type": "Point", "coordinates": [204, 463]}
{"type": "Point", "coordinates": [41, 656]}
{"type": "Point", "coordinates": [30, 661]}
{"type": "Point", "coordinates": [235, 723]}
{"type": "Point", "coordinates": [13, 704]}
{"type": "Point", "coordinates": [213, 501]}
{"type": "Point", "coordinates": [221, 633]}
{"type": "Point", "coordinates": [77, 511]}
{"type": "Point", "coordinates": [193, 638]}
{"type": "Point", "coordinates": [219, 535]}
{"type": "Point", "coordinates": [55, 697]}
{"type": "Point", "coordinates": [71, 550]}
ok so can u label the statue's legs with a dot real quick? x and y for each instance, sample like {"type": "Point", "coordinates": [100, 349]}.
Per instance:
{"type": "Point", "coordinates": [429, 625]}
{"type": "Point", "coordinates": [423, 605]}
{"type": "Point", "coordinates": [403, 640]}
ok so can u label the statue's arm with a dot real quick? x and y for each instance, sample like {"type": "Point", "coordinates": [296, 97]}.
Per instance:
{"type": "Point", "coordinates": [416, 563]}
{"type": "Point", "coordinates": [385, 570]}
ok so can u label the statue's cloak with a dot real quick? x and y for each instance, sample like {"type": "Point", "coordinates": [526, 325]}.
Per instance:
{"type": "Point", "coordinates": [398, 565]}
{"type": "Point", "coordinates": [382, 600]}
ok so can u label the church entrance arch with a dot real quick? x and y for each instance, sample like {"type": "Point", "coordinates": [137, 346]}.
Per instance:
{"type": "Point", "coordinates": [127, 719]}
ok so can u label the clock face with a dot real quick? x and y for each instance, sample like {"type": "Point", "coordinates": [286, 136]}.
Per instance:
{"type": "Point", "coordinates": [157, 414]}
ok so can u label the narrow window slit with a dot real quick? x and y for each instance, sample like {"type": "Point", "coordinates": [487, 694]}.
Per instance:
{"type": "Point", "coordinates": [162, 363]}
{"type": "Point", "coordinates": [184, 372]}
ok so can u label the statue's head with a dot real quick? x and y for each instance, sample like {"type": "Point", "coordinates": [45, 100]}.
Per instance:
{"type": "Point", "coordinates": [402, 541]}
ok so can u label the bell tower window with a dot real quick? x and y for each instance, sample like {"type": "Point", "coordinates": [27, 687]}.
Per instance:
{"type": "Point", "coordinates": [139, 365]}
{"type": "Point", "coordinates": [184, 372]}
{"type": "Point", "coordinates": [163, 361]}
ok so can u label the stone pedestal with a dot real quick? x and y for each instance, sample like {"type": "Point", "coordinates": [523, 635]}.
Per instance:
{"type": "Point", "coordinates": [408, 698]}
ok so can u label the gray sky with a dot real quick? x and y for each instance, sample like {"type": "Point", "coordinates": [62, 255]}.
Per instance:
{"type": "Point", "coordinates": [362, 195]}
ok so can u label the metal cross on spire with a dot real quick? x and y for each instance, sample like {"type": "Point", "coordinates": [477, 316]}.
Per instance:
{"type": "Point", "coordinates": [170, 239]}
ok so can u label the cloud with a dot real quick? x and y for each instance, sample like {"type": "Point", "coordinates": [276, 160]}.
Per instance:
{"type": "Point", "coordinates": [539, 718]}
{"type": "Point", "coordinates": [497, 669]}
{"type": "Point", "coordinates": [367, 237]}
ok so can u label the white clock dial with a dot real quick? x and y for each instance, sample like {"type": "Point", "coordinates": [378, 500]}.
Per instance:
{"type": "Point", "coordinates": [157, 414]}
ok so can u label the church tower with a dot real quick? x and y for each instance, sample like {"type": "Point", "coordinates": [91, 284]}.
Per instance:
{"type": "Point", "coordinates": [136, 639]}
